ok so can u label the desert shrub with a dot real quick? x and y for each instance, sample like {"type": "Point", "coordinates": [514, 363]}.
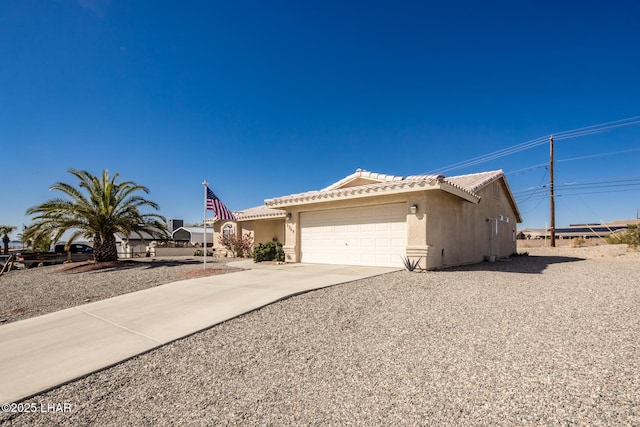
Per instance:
{"type": "Point", "coordinates": [200, 253]}
{"type": "Point", "coordinates": [578, 242]}
{"type": "Point", "coordinates": [239, 247]}
{"type": "Point", "coordinates": [629, 237]}
{"type": "Point", "coordinates": [270, 251]}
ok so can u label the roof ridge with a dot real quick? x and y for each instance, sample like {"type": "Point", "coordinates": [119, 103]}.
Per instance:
{"type": "Point", "coordinates": [475, 173]}
{"type": "Point", "coordinates": [362, 173]}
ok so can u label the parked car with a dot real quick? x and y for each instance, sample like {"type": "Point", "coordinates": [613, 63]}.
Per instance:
{"type": "Point", "coordinates": [77, 252]}
{"type": "Point", "coordinates": [75, 248]}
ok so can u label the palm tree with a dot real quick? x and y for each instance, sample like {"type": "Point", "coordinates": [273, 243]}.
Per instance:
{"type": "Point", "coordinates": [96, 209]}
{"type": "Point", "coordinates": [5, 230]}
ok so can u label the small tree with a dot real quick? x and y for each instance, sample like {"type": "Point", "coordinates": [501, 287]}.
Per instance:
{"type": "Point", "coordinates": [5, 230]}
{"type": "Point", "coordinates": [239, 247]}
{"type": "Point", "coordinates": [41, 243]}
{"type": "Point", "coordinates": [630, 237]}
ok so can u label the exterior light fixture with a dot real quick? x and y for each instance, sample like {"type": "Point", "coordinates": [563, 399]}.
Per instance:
{"type": "Point", "coordinates": [288, 215]}
{"type": "Point", "coordinates": [414, 209]}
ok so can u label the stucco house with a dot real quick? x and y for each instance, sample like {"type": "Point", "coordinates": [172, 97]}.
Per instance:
{"type": "Point", "coordinates": [370, 218]}
{"type": "Point", "coordinates": [261, 223]}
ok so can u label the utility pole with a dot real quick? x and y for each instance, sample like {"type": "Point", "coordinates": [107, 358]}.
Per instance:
{"type": "Point", "coordinates": [552, 203]}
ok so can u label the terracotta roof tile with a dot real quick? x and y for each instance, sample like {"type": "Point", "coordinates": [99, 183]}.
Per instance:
{"type": "Point", "coordinates": [259, 212]}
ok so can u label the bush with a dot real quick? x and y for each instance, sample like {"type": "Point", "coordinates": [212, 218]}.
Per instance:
{"type": "Point", "coordinates": [578, 242]}
{"type": "Point", "coordinates": [239, 247]}
{"type": "Point", "coordinates": [200, 253]}
{"type": "Point", "coordinates": [630, 237]}
{"type": "Point", "coordinates": [270, 251]}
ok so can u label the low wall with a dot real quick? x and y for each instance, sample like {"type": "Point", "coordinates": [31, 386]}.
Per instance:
{"type": "Point", "coordinates": [174, 251]}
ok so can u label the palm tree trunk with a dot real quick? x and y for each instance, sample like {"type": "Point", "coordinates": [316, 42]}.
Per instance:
{"type": "Point", "coordinates": [105, 249]}
{"type": "Point", "coordinates": [5, 241]}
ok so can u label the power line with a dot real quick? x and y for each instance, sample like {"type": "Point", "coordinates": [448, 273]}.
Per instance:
{"type": "Point", "coordinates": [538, 188]}
{"type": "Point", "coordinates": [589, 184]}
{"type": "Point", "coordinates": [495, 155]}
{"type": "Point", "coordinates": [603, 127]}
{"type": "Point", "coordinates": [590, 156]}
{"type": "Point", "coordinates": [609, 183]}
{"type": "Point", "coordinates": [598, 192]}
{"type": "Point", "coordinates": [588, 130]}
{"type": "Point", "coordinates": [567, 191]}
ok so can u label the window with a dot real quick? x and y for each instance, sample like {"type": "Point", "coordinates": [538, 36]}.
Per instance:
{"type": "Point", "coordinates": [228, 231]}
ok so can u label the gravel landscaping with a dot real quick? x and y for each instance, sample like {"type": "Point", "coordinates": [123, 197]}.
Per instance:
{"type": "Point", "coordinates": [552, 338]}
{"type": "Point", "coordinates": [41, 290]}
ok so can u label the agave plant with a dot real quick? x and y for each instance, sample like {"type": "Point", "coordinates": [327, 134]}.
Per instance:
{"type": "Point", "coordinates": [409, 264]}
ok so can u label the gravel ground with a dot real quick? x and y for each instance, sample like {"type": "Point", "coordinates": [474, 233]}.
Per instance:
{"type": "Point", "coordinates": [37, 291]}
{"type": "Point", "coordinates": [546, 339]}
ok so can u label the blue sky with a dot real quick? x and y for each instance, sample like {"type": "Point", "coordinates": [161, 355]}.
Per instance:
{"type": "Point", "coordinates": [264, 99]}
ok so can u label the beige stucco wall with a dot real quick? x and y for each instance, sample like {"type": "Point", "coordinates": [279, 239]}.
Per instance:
{"type": "Point", "coordinates": [221, 251]}
{"type": "Point", "coordinates": [459, 232]}
{"type": "Point", "coordinates": [264, 230]}
{"type": "Point", "coordinates": [261, 231]}
{"type": "Point", "coordinates": [444, 231]}
{"type": "Point", "coordinates": [160, 252]}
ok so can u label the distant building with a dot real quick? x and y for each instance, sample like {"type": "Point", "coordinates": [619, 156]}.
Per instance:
{"type": "Point", "coordinates": [174, 224]}
{"type": "Point", "coordinates": [585, 231]}
{"type": "Point", "coordinates": [193, 236]}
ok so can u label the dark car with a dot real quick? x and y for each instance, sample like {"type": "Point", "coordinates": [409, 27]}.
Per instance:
{"type": "Point", "coordinates": [75, 248]}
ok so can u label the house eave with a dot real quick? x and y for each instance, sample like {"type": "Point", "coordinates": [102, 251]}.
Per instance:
{"type": "Point", "coordinates": [279, 215]}
{"type": "Point", "coordinates": [407, 186]}
{"type": "Point", "coordinates": [465, 195]}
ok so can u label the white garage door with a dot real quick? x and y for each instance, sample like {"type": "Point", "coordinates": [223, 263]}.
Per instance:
{"type": "Point", "coordinates": [374, 235]}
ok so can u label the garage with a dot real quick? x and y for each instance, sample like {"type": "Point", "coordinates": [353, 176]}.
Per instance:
{"type": "Point", "coordinates": [371, 235]}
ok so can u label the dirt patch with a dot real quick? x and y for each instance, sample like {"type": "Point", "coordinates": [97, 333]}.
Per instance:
{"type": "Point", "coordinates": [37, 291]}
{"type": "Point", "coordinates": [191, 274]}
{"type": "Point", "coordinates": [82, 267]}
{"type": "Point", "coordinates": [586, 252]}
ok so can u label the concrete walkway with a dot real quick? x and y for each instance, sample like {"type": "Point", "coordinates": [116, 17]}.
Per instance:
{"type": "Point", "coordinates": [43, 352]}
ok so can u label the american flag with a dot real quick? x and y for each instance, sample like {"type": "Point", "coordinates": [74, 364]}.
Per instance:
{"type": "Point", "coordinates": [219, 209]}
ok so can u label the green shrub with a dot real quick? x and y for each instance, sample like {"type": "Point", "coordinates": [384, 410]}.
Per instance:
{"type": "Point", "coordinates": [270, 251]}
{"type": "Point", "coordinates": [630, 237]}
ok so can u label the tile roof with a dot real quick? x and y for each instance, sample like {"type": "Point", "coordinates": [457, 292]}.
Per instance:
{"type": "Point", "coordinates": [259, 212]}
{"type": "Point", "coordinates": [361, 173]}
{"type": "Point", "coordinates": [476, 181]}
{"type": "Point", "coordinates": [464, 186]}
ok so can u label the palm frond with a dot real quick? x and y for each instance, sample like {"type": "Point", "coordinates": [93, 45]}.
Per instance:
{"type": "Point", "coordinates": [97, 206]}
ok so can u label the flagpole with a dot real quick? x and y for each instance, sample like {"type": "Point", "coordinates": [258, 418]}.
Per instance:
{"type": "Point", "coordinates": [204, 224]}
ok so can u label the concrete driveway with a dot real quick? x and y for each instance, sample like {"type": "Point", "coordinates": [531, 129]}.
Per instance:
{"type": "Point", "coordinates": [43, 352]}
